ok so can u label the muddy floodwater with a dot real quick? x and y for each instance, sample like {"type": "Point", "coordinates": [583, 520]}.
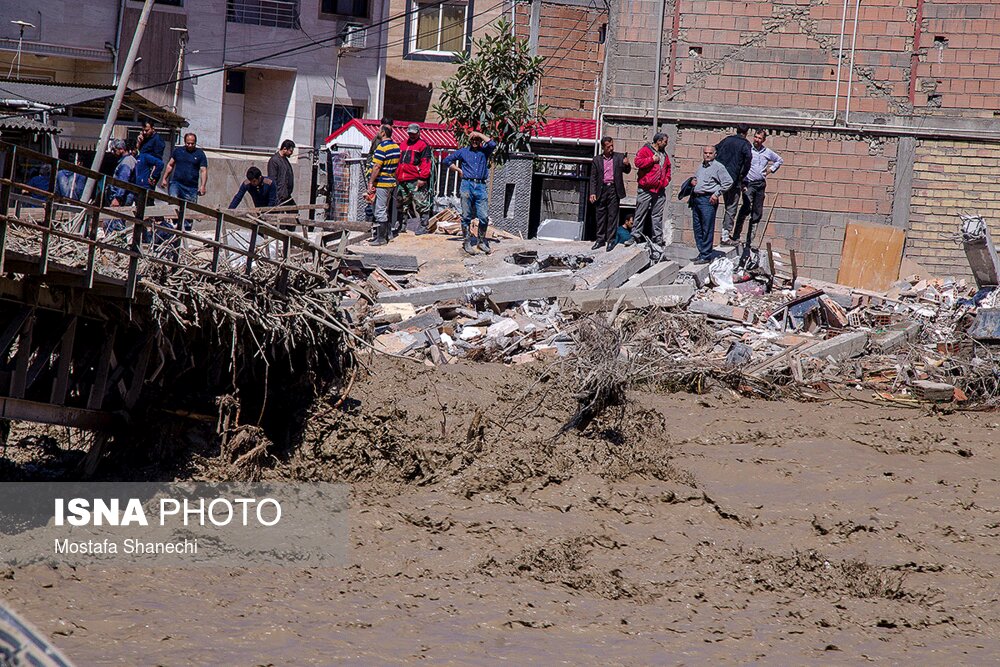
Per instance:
{"type": "Point", "coordinates": [690, 529]}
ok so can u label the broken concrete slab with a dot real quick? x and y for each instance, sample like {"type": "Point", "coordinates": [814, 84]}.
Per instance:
{"type": "Point", "coordinates": [398, 342]}
{"type": "Point", "coordinates": [896, 336]}
{"type": "Point", "coordinates": [420, 322]}
{"type": "Point", "coordinates": [718, 311]}
{"type": "Point", "coordinates": [503, 289]}
{"type": "Point", "coordinates": [503, 327]}
{"type": "Point", "coordinates": [662, 273]}
{"type": "Point", "coordinates": [933, 391]}
{"type": "Point", "coordinates": [839, 348]}
{"type": "Point", "coordinates": [699, 272]}
{"type": "Point", "coordinates": [612, 269]}
{"type": "Point", "coordinates": [987, 325]}
{"type": "Point", "coordinates": [682, 254]}
{"type": "Point", "coordinates": [595, 301]}
{"type": "Point", "coordinates": [384, 261]}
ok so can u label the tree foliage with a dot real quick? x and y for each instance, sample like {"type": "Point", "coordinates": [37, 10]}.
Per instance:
{"type": "Point", "coordinates": [492, 92]}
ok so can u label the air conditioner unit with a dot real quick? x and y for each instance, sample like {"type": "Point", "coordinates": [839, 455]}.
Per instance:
{"type": "Point", "coordinates": [354, 36]}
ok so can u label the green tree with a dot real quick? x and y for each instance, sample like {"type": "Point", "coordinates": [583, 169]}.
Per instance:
{"type": "Point", "coordinates": [493, 92]}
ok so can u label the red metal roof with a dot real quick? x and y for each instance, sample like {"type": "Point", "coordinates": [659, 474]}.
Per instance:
{"type": "Point", "coordinates": [584, 129]}
{"type": "Point", "coordinates": [440, 137]}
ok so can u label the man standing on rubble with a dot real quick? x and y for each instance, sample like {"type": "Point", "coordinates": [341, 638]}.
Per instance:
{"type": "Point", "coordinates": [654, 176]}
{"type": "Point", "coordinates": [382, 183]}
{"type": "Point", "coordinates": [474, 170]}
{"type": "Point", "coordinates": [708, 184]}
{"type": "Point", "coordinates": [124, 171]}
{"type": "Point", "coordinates": [764, 162]}
{"type": "Point", "coordinates": [607, 187]}
{"type": "Point", "coordinates": [188, 167]}
{"type": "Point", "coordinates": [413, 192]}
{"type": "Point", "coordinates": [734, 154]}
{"type": "Point", "coordinates": [279, 170]}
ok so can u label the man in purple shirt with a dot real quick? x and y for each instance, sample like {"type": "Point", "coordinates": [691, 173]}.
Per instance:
{"type": "Point", "coordinates": [764, 161]}
{"type": "Point", "coordinates": [607, 187]}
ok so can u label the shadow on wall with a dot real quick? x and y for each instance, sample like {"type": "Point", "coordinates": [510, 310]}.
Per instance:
{"type": "Point", "coordinates": [407, 101]}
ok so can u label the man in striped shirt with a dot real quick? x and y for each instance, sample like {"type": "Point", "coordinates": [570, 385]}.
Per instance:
{"type": "Point", "coordinates": [382, 184]}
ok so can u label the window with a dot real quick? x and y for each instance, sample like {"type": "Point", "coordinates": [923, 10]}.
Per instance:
{"type": "Point", "coordinates": [321, 125]}
{"type": "Point", "coordinates": [357, 8]}
{"type": "Point", "coordinates": [236, 81]}
{"type": "Point", "coordinates": [437, 29]}
{"type": "Point", "coordinates": [274, 13]}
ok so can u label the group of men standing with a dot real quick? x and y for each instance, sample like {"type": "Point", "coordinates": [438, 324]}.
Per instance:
{"type": "Point", "coordinates": [733, 172]}
{"type": "Point", "coordinates": [400, 175]}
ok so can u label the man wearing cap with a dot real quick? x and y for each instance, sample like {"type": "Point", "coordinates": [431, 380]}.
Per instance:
{"type": "Point", "coordinates": [413, 193]}
{"type": "Point", "coordinates": [474, 169]}
{"type": "Point", "coordinates": [124, 171]}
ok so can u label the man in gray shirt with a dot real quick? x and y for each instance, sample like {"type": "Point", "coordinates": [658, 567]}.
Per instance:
{"type": "Point", "coordinates": [710, 181]}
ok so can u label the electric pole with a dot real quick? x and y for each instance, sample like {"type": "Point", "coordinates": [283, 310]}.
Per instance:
{"type": "Point", "coordinates": [183, 38]}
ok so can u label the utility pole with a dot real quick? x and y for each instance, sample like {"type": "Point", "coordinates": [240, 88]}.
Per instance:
{"type": "Point", "coordinates": [116, 103]}
{"type": "Point", "coordinates": [534, 29]}
{"type": "Point", "coordinates": [20, 40]}
{"type": "Point", "coordinates": [183, 38]}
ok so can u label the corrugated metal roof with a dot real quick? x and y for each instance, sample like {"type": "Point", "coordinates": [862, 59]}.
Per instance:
{"type": "Point", "coordinates": [27, 124]}
{"type": "Point", "coordinates": [53, 94]}
{"type": "Point", "coordinates": [436, 135]}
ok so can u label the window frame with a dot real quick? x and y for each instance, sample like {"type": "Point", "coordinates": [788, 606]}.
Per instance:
{"type": "Point", "coordinates": [353, 111]}
{"type": "Point", "coordinates": [410, 50]}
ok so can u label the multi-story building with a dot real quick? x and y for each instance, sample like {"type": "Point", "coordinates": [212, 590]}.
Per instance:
{"type": "Point", "coordinates": [884, 111]}
{"type": "Point", "coordinates": [254, 72]}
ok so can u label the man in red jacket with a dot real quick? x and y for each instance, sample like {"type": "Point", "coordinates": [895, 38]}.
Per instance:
{"type": "Point", "coordinates": [413, 193]}
{"type": "Point", "coordinates": [654, 175]}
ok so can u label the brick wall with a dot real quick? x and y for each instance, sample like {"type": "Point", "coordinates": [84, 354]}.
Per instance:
{"type": "Point", "coordinates": [775, 63]}
{"type": "Point", "coordinates": [951, 177]}
{"type": "Point", "coordinates": [568, 39]}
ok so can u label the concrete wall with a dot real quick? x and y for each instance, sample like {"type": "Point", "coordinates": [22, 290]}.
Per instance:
{"type": "Point", "coordinates": [923, 87]}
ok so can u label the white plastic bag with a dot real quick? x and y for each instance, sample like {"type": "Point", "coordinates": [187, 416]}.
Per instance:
{"type": "Point", "coordinates": [721, 273]}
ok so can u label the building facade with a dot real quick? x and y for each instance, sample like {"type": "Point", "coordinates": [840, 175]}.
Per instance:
{"type": "Point", "coordinates": [253, 73]}
{"type": "Point", "coordinates": [884, 111]}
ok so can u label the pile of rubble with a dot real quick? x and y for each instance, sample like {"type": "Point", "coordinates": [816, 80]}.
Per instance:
{"type": "Point", "coordinates": [923, 339]}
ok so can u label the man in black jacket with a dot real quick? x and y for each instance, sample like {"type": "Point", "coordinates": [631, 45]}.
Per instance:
{"type": "Point", "coordinates": [607, 187]}
{"type": "Point", "coordinates": [735, 155]}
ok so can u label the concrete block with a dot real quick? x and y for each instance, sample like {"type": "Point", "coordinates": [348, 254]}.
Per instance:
{"type": "Point", "coordinates": [679, 253]}
{"type": "Point", "coordinates": [662, 273]}
{"type": "Point", "coordinates": [504, 289]}
{"type": "Point", "coordinates": [844, 346]}
{"type": "Point", "coordinates": [419, 322]}
{"type": "Point", "coordinates": [718, 311]}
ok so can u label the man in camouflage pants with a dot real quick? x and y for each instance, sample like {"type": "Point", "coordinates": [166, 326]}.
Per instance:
{"type": "Point", "coordinates": [413, 192]}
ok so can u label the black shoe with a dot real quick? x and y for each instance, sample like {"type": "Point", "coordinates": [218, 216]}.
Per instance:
{"type": "Point", "coordinates": [597, 245]}
{"type": "Point", "coordinates": [701, 260]}
{"type": "Point", "coordinates": [470, 244]}
{"type": "Point", "coordinates": [611, 246]}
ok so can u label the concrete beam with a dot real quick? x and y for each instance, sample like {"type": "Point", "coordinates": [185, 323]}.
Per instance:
{"type": "Point", "coordinates": [663, 273]}
{"type": "Point", "coordinates": [844, 346]}
{"type": "Point", "coordinates": [896, 336]}
{"type": "Point", "coordinates": [595, 301]}
{"type": "Point", "coordinates": [903, 184]}
{"type": "Point", "coordinates": [718, 311]}
{"type": "Point", "coordinates": [503, 290]}
{"type": "Point", "coordinates": [610, 271]}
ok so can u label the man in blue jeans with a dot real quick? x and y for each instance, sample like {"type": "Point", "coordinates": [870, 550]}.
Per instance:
{"type": "Point", "coordinates": [709, 183]}
{"type": "Point", "coordinates": [189, 167]}
{"type": "Point", "coordinates": [474, 169]}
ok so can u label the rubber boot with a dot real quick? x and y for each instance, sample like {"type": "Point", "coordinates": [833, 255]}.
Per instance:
{"type": "Point", "coordinates": [484, 243]}
{"type": "Point", "coordinates": [422, 229]}
{"type": "Point", "coordinates": [381, 234]}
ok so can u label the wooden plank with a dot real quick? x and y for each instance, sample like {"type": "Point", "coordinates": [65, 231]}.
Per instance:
{"type": "Point", "coordinates": [216, 250]}
{"type": "Point", "coordinates": [19, 381]}
{"type": "Point", "coordinates": [94, 220]}
{"type": "Point", "coordinates": [13, 327]}
{"type": "Point", "coordinates": [44, 355]}
{"type": "Point", "coordinates": [871, 256]}
{"type": "Point", "coordinates": [99, 388]}
{"type": "Point", "coordinates": [61, 384]}
{"type": "Point", "coordinates": [139, 373]}
{"type": "Point", "coordinates": [13, 408]}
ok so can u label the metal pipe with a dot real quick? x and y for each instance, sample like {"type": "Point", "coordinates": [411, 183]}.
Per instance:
{"type": "Point", "coordinates": [850, 73]}
{"type": "Point", "coordinates": [658, 66]}
{"type": "Point", "coordinates": [915, 56]}
{"type": "Point", "coordinates": [118, 41]}
{"type": "Point", "coordinates": [840, 60]}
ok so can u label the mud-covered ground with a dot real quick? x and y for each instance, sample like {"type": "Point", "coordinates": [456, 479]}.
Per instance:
{"type": "Point", "coordinates": [697, 529]}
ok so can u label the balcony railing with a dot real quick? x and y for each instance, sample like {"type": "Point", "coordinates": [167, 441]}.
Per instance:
{"type": "Point", "coordinates": [274, 13]}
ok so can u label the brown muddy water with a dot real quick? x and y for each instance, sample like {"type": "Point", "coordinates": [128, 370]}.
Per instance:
{"type": "Point", "coordinates": [705, 530]}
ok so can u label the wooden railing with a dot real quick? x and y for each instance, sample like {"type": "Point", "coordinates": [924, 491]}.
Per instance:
{"type": "Point", "coordinates": [79, 223]}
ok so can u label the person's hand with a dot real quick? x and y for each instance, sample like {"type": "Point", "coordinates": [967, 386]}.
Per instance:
{"type": "Point", "coordinates": [714, 199]}
{"type": "Point", "coordinates": [625, 162]}
{"type": "Point", "coordinates": [694, 182]}
{"type": "Point", "coordinates": [421, 183]}
{"type": "Point", "coordinates": [593, 199]}
{"type": "Point", "coordinates": [201, 191]}
{"type": "Point", "coordinates": [656, 158]}
{"type": "Point", "coordinates": [458, 170]}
